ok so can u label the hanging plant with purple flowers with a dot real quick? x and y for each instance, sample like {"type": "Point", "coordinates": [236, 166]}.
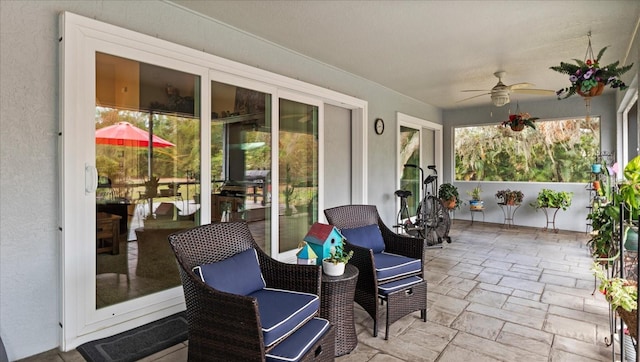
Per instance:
{"type": "Point", "coordinates": [588, 78]}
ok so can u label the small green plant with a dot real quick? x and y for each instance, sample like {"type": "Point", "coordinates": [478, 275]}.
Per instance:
{"type": "Point", "coordinates": [509, 197]}
{"type": "Point", "coordinates": [630, 188]}
{"type": "Point", "coordinates": [553, 199]}
{"type": "Point", "coordinates": [475, 193]}
{"type": "Point", "coordinates": [604, 233]}
{"type": "Point", "coordinates": [338, 255]}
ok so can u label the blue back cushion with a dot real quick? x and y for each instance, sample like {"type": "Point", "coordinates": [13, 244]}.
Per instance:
{"type": "Point", "coordinates": [239, 274]}
{"type": "Point", "coordinates": [368, 237]}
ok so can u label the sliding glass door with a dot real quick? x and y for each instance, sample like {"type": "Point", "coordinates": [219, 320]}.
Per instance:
{"type": "Point", "coordinates": [156, 138]}
{"type": "Point", "coordinates": [298, 164]}
{"type": "Point", "coordinates": [241, 143]}
{"type": "Point", "coordinates": [147, 157]}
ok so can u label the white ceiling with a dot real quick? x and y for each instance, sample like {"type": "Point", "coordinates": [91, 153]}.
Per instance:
{"type": "Point", "coordinates": [431, 50]}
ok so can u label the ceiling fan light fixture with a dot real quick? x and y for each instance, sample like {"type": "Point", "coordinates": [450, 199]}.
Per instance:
{"type": "Point", "coordinates": [500, 100]}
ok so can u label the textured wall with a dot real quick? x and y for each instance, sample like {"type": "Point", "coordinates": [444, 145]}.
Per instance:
{"type": "Point", "coordinates": [29, 249]}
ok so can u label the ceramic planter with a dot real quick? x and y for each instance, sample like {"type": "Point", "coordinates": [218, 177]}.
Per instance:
{"type": "Point", "coordinates": [476, 204]}
{"type": "Point", "coordinates": [596, 168]}
{"type": "Point", "coordinates": [332, 269]}
{"type": "Point", "coordinates": [631, 242]}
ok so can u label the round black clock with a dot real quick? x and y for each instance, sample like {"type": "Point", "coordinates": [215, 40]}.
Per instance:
{"type": "Point", "coordinates": [379, 125]}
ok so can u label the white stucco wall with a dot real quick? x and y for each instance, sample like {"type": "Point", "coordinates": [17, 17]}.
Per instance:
{"type": "Point", "coordinates": [29, 248]}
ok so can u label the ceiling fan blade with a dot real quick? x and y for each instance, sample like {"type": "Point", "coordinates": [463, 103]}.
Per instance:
{"type": "Point", "coordinates": [476, 90]}
{"type": "Point", "coordinates": [479, 95]}
{"type": "Point", "coordinates": [520, 86]}
{"type": "Point", "coordinates": [541, 92]}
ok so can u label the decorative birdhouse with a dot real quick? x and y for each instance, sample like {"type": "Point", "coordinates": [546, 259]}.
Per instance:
{"type": "Point", "coordinates": [306, 255]}
{"type": "Point", "coordinates": [322, 238]}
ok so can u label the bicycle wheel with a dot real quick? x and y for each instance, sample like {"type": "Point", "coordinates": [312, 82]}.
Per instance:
{"type": "Point", "coordinates": [444, 222]}
{"type": "Point", "coordinates": [431, 221]}
{"type": "Point", "coordinates": [437, 222]}
{"type": "Point", "coordinates": [417, 227]}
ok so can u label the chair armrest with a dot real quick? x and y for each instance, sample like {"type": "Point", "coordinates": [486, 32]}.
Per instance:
{"type": "Point", "coordinates": [363, 260]}
{"type": "Point", "coordinates": [218, 320]}
{"type": "Point", "coordinates": [301, 278]}
{"type": "Point", "coordinates": [400, 244]}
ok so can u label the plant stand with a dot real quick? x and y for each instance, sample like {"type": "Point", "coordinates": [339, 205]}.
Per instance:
{"type": "Point", "coordinates": [551, 219]}
{"type": "Point", "coordinates": [473, 211]}
{"type": "Point", "coordinates": [509, 211]}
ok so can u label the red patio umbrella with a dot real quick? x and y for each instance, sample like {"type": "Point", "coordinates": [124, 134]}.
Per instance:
{"type": "Point", "coordinates": [126, 134]}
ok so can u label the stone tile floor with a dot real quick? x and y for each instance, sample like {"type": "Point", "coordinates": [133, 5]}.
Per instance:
{"type": "Point", "coordinates": [495, 294]}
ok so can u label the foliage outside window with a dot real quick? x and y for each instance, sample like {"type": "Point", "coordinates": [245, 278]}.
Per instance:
{"type": "Point", "coordinates": [558, 151]}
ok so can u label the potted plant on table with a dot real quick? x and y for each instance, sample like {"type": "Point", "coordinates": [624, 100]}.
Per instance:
{"type": "Point", "coordinates": [549, 199]}
{"type": "Point", "coordinates": [509, 197]}
{"type": "Point", "coordinates": [449, 196]}
{"type": "Point", "coordinates": [476, 202]}
{"type": "Point", "coordinates": [337, 260]}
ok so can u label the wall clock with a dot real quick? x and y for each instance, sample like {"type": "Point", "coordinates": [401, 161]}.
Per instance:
{"type": "Point", "coordinates": [379, 125]}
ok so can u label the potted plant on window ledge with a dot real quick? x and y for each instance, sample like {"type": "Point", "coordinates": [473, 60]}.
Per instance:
{"type": "Point", "coordinates": [336, 262]}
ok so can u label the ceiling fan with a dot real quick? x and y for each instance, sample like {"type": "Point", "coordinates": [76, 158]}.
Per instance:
{"type": "Point", "coordinates": [500, 92]}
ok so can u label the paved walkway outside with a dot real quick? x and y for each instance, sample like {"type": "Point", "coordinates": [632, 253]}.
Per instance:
{"type": "Point", "coordinates": [494, 294]}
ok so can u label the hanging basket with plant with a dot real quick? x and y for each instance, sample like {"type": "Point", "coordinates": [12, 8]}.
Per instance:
{"type": "Point", "coordinates": [518, 121]}
{"type": "Point", "coordinates": [588, 78]}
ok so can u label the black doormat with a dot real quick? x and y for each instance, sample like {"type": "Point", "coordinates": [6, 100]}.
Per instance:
{"type": "Point", "coordinates": [139, 342]}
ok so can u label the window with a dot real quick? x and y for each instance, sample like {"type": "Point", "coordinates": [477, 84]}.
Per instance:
{"type": "Point", "coordinates": [556, 151]}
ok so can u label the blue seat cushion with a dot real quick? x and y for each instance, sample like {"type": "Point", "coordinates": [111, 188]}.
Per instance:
{"type": "Point", "coordinates": [368, 237]}
{"type": "Point", "coordinates": [389, 266]}
{"type": "Point", "coordinates": [388, 288]}
{"type": "Point", "coordinates": [283, 311]}
{"type": "Point", "coordinates": [299, 343]}
{"type": "Point", "coordinates": [239, 274]}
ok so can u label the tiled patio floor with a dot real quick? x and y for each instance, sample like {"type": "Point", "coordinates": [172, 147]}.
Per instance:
{"type": "Point", "coordinates": [495, 294]}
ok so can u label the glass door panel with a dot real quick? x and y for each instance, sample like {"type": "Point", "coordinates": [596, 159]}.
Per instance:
{"type": "Point", "coordinates": [241, 158]}
{"type": "Point", "coordinates": [298, 172]}
{"type": "Point", "coordinates": [147, 136]}
{"type": "Point", "coordinates": [410, 177]}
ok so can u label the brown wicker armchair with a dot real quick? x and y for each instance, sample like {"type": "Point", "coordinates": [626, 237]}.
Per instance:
{"type": "Point", "coordinates": [404, 293]}
{"type": "Point", "coordinates": [227, 327]}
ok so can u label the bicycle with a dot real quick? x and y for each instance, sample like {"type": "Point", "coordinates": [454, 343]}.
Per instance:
{"type": "Point", "coordinates": [432, 222]}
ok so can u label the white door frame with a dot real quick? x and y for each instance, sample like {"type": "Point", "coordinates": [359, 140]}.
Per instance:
{"type": "Point", "coordinates": [420, 124]}
{"type": "Point", "coordinates": [80, 38]}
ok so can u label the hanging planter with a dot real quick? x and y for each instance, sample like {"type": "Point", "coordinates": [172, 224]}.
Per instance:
{"type": "Point", "coordinates": [517, 127]}
{"type": "Point", "coordinates": [588, 78]}
{"type": "Point", "coordinates": [519, 120]}
{"type": "Point", "coordinates": [593, 92]}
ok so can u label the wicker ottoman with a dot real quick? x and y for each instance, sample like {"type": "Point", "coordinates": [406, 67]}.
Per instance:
{"type": "Point", "coordinates": [323, 350]}
{"type": "Point", "coordinates": [406, 301]}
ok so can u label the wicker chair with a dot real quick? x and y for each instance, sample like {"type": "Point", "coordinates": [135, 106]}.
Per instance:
{"type": "Point", "coordinates": [227, 327]}
{"type": "Point", "coordinates": [403, 293]}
